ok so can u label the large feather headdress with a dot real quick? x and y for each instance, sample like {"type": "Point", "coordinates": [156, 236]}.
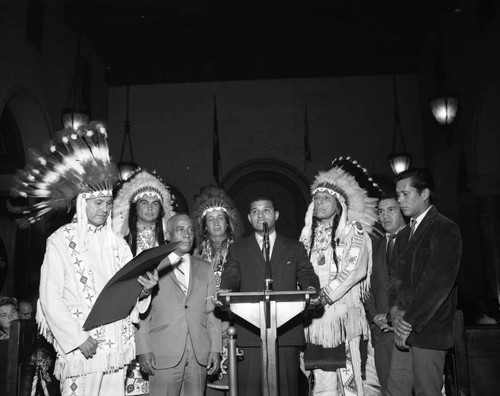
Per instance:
{"type": "Point", "coordinates": [215, 198]}
{"type": "Point", "coordinates": [75, 163]}
{"type": "Point", "coordinates": [141, 183]}
{"type": "Point", "coordinates": [354, 189]}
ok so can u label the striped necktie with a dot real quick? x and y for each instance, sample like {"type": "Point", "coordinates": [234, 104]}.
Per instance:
{"type": "Point", "coordinates": [181, 276]}
{"type": "Point", "coordinates": [413, 224]}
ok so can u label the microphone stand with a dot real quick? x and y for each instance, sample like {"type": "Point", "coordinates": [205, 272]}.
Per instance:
{"type": "Point", "coordinates": [268, 275]}
{"type": "Point", "coordinates": [268, 280]}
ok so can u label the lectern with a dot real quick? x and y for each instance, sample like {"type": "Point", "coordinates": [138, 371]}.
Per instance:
{"type": "Point", "coordinates": [267, 310]}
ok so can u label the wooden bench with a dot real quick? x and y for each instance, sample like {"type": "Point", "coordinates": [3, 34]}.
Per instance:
{"type": "Point", "coordinates": [473, 365]}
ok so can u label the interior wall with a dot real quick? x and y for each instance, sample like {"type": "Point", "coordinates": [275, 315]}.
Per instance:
{"type": "Point", "coordinates": [172, 124]}
{"type": "Point", "coordinates": [34, 84]}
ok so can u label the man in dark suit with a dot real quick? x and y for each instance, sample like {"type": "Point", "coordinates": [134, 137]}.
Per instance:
{"type": "Point", "coordinates": [245, 272]}
{"type": "Point", "coordinates": [422, 295]}
{"type": "Point", "coordinates": [180, 339]}
{"type": "Point", "coordinates": [377, 304]}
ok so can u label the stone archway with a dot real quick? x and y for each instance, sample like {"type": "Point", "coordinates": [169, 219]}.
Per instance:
{"type": "Point", "coordinates": [285, 184]}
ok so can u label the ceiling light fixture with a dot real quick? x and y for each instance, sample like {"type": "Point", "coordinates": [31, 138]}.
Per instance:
{"type": "Point", "coordinates": [399, 160]}
{"type": "Point", "coordinates": [127, 168]}
{"type": "Point", "coordinates": [445, 104]}
{"type": "Point", "coordinates": [76, 113]}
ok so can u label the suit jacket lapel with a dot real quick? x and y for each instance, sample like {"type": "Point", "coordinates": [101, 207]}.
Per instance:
{"type": "Point", "coordinates": [421, 229]}
{"type": "Point", "coordinates": [255, 254]}
{"type": "Point", "coordinates": [193, 272]}
{"type": "Point", "coordinates": [277, 253]}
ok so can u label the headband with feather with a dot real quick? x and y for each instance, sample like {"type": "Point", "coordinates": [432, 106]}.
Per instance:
{"type": "Point", "coordinates": [76, 162]}
{"type": "Point", "coordinates": [215, 198]}
{"type": "Point", "coordinates": [355, 190]}
{"type": "Point", "coordinates": [141, 183]}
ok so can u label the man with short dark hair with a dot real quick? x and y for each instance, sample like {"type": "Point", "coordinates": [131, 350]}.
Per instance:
{"type": "Point", "coordinates": [422, 294]}
{"type": "Point", "coordinates": [377, 305]}
{"type": "Point", "coordinates": [245, 272]}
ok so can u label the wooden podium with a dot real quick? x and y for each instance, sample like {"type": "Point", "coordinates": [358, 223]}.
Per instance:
{"type": "Point", "coordinates": [267, 310]}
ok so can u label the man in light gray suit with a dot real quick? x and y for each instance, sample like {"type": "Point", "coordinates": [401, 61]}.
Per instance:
{"type": "Point", "coordinates": [180, 339]}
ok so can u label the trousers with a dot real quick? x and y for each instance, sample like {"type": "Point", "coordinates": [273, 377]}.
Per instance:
{"type": "Point", "coordinates": [418, 369]}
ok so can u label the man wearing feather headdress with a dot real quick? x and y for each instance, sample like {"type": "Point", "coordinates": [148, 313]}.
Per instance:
{"type": "Point", "coordinates": [141, 209]}
{"type": "Point", "coordinates": [336, 238]}
{"type": "Point", "coordinates": [80, 259]}
{"type": "Point", "coordinates": [218, 225]}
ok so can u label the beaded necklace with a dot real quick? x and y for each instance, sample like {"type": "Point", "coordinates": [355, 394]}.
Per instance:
{"type": "Point", "coordinates": [146, 237]}
{"type": "Point", "coordinates": [322, 241]}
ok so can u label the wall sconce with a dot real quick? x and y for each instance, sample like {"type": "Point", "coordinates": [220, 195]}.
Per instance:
{"type": "Point", "coordinates": [127, 168]}
{"type": "Point", "coordinates": [76, 113]}
{"type": "Point", "coordinates": [399, 160]}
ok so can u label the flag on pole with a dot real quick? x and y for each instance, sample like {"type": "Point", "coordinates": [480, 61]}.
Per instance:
{"type": "Point", "coordinates": [216, 165]}
{"type": "Point", "coordinates": [307, 145]}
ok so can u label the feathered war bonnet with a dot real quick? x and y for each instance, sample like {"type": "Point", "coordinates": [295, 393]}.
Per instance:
{"type": "Point", "coordinates": [215, 198]}
{"type": "Point", "coordinates": [142, 183]}
{"type": "Point", "coordinates": [355, 191]}
{"type": "Point", "coordinates": [74, 164]}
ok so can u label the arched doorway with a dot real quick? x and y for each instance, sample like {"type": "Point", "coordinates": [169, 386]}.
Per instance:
{"type": "Point", "coordinates": [23, 123]}
{"type": "Point", "coordinates": [285, 184]}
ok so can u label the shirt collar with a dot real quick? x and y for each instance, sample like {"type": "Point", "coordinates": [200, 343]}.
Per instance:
{"type": "Point", "coordinates": [388, 234]}
{"type": "Point", "coordinates": [174, 257]}
{"type": "Point", "coordinates": [272, 238]}
{"type": "Point", "coordinates": [421, 216]}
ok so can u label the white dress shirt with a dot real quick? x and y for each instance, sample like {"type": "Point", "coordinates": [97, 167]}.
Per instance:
{"type": "Point", "coordinates": [420, 217]}
{"type": "Point", "coordinates": [272, 240]}
{"type": "Point", "coordinates": [184, 265]}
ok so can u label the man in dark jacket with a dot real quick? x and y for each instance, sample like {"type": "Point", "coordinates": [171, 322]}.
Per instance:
{"type": "Point", "coordinates": [377, 305]}
{"type": "Point", "coordinates": [422, 295]}
{"type": "Point", "coordinates": [245, 272]}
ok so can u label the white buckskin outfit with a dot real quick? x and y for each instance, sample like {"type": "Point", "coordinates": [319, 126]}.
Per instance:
{"type": "Point", "coordinates": [342, 291]}
{"type": "Point", "coordinates": [80, 259]}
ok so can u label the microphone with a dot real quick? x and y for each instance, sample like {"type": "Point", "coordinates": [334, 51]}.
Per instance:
{"type": "Point", "coordinates": [266, 229]}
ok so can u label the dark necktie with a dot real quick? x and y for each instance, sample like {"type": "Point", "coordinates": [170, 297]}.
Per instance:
{"type": "Point", "coordinates": [263, 250]}
{"type": "Point", "coordinates": [391, 240]}
{"type": "Point", "coordinates": [413, 224]}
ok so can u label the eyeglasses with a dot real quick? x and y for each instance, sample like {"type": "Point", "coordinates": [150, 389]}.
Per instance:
{"type": "Point", "coordinates": [179, 231]}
